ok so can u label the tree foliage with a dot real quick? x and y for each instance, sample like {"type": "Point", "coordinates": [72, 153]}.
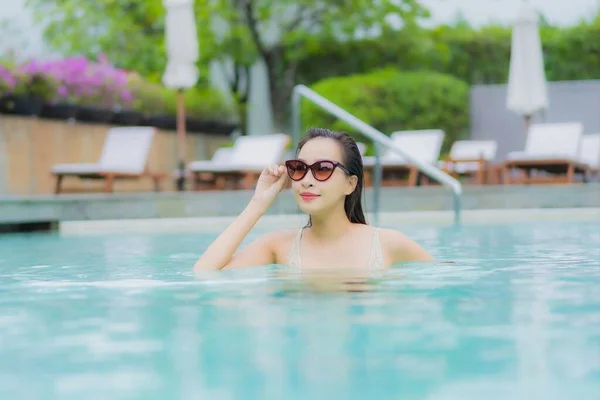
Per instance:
{"type": "Point", "coordinates": [476, 55]}
{"type": "Point", "coordinates": [129, 32]}
{"type": "Point", "coordinates": [392, 100]}
{"type": "Point", "coordinates": [280, 33]}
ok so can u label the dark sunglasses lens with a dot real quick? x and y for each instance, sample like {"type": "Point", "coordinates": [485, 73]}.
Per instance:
{"type": "Point", "coordinates": [323, 170]}
{"type": "Point", "coordinates": [296, 169]}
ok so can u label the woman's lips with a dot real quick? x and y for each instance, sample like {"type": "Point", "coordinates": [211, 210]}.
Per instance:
{"type": "Point", "coordinates": [308, 196]}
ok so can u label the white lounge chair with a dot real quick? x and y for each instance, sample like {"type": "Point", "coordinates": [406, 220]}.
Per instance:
{"type": "Point", "coordinates": [552, 148]}
{"type": "Point", "coordinates": [207, 179]}
{"type": "Point", "coordinates": [124, 156]}
{"type": "Point", "coordinates": [589, 153]}
{"type": "Point", "coordinates": [248, 157]}
{"type": "Point", "coordinates": [362, 148]}
{"type": "Point", "coordinates": [470, 158]}
{"type": "Point", "coordinates": [221, 156]}
{"type": "Point", "coordinates": [424, 145]}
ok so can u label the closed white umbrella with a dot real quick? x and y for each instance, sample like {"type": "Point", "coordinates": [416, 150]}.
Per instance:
{"type": "Point", "coordinates": [181, 71]}
{"type": "Point", "coordinates": [527, 91]}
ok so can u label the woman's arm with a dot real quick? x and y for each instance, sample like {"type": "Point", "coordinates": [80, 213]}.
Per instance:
{"type": "Point", "coordinates": [220, 254]}
{"type": "Point", "coordinates": [402, 248]}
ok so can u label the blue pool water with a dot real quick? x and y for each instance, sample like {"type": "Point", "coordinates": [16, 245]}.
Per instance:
{"type": "Point", "coordinates": [517, 316]}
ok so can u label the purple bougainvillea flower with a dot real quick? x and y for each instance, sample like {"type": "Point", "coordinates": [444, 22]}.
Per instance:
{"type": "Point", "coordinates": [7, 80]}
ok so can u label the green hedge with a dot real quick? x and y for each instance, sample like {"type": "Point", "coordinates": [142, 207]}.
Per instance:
{"type": "Point", "coordinates": [391, 100]}
{"type": "Point", "coordinates": [201, 103]}
{"type": "Point", "coordinates": [477, 56]}
{"type": "Point", "coordinates": [208, 103]}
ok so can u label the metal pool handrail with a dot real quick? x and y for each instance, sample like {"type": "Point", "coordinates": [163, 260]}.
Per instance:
{"type": "Point", "coordinates": [379, 138]}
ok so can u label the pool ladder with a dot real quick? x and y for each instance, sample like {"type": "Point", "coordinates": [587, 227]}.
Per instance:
{"type": "Point", "coordinates": [380, 140]}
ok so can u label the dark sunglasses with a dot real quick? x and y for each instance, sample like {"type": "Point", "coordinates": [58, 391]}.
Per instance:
{"type": "Point", "coordinates": [321, 170]}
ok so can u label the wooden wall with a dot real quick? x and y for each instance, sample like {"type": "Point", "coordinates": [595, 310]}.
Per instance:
{"type": "Point", "coordinates": [30, 146]}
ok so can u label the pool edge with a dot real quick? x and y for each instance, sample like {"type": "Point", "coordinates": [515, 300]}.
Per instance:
{"type": "Point", "coordinates": [293, 221]}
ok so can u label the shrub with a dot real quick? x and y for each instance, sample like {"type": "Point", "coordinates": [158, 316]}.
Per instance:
{"type": "Point", "coordinates": [475, 55]}
{"type": "Point", "coordinates": [26, 79]}
{"type": "Point", "coordinates": [149, 97]}
{"type": "Point", "coordinates": [7, 81]}
{"type": "Point", "coordinates": [34, 85]}
{"type": "Point", "coordinates": [98, 83]}
{"type": "Point", "coordinates": [72, 80]}
{"type": "Point", "coordinates": [390, 100]}
{"type": "Point", "coordinates": [203, 103]}
{"type": "Point", "coordinates": [91, 83]}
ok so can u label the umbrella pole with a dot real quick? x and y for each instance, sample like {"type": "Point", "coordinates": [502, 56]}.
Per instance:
{"type": "Point", "coordinates": [181, 140]}
{"type": "Point", "coordinates": [527, 124]}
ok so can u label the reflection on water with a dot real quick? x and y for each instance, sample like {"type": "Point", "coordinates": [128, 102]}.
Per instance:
{"type": "Point", "coordinates": [516, 315]}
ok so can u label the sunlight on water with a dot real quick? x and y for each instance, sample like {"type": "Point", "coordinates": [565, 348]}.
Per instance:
{"type": "Point", "coordinates": [507, 312]}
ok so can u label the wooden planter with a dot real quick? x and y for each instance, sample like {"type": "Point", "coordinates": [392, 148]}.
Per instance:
{"type": "Point", "coordinates": [59, 111]}
{"type": "Point", "coordinates": [127, 118]}
{"type": "Point", "coordinates": [167, 122]}
{"type": "Point", "coordinates": [19, 105]}
{"type": "Point", "coordinates": [94, 115]}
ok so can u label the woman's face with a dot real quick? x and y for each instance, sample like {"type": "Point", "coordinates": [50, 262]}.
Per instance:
{"type": "Point", "coordinates": [312, 195]}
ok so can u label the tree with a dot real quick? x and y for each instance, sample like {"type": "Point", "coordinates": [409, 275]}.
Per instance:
{"type": "Point", "coordinates": [282, 32]}
{"type": "Point", "coordinates": [223, 38]}
{"type": "Point", "coordinates": [238, 32]}
{"type": "Point", "coordinates": [129, 32]}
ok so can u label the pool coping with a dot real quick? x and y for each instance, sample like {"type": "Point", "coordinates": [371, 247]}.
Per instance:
{"type": "Point", "coordinates": [215, 225]}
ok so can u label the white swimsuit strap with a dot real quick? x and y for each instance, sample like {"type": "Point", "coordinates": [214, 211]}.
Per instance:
{"type": "Point", "coordinates": [294, 255]}
{"type": "Point", "coordinates": [376, 260]}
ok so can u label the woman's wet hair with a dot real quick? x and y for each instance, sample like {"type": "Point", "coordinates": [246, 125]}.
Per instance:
{"type": "Point", "coordinates": [352, 160]}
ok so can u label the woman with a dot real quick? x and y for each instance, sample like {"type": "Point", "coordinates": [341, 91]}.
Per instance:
{"type": "Point", "coordinates": [327, 181]}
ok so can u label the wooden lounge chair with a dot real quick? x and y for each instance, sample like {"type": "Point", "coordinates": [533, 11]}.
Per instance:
{"type": "Point", "coordinates": [470, 158]}
{"type": "Point", "coordinates": [549, 148]}
{"type": "Point", "coordinates": [208, 180]}
{"type": "Point", "coordinates": [124, 156]}
{"type": "Point", "coordinates": [249, 156]}
{"type": "Point", "coordinates": [424, 145]}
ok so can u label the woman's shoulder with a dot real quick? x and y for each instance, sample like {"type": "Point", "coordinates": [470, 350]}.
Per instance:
{"type": "Point", "coordinates": [392, 239]}
{"type": "Point", "coordinates": [392, 235]}
{"type": "Point", "coordinates": [280, 243]}
{"type": "Point", "coordinates": [400, 247]}
{"type": "Point", "coordinates": [279, 237]}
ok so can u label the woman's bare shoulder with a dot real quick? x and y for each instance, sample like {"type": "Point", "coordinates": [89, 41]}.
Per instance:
{"type": "Point", "coordinates": [279, 238]}
{"type": "Point", "coordinates": [280, 242]}
{"type": "Point", "coordinates": [392, 235]}
{"type": "Point", "coordinates": [401, 247]}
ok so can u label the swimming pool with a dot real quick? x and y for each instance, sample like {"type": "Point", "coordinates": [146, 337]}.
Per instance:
{"type": "Point", "coordinates": [121, 316]}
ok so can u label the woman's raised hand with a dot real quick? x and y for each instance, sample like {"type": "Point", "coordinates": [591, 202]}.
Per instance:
{"type": "Point", "coordinates": [270, 182]}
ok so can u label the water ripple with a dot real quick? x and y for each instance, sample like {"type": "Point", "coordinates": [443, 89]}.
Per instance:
{"type": "Point", "coordinates": [507, 312]}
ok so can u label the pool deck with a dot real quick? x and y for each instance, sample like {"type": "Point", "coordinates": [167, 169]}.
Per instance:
{"type": "Point", "coordinates": [56, 209]}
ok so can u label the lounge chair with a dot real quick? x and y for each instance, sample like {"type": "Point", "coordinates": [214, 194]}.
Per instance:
{"type": "Point", "coordinates": [589, 153]}
{"type": "Point", "coordinates": [551, 148]}
{"type": "Point", "coordinates": [124, 156]}
{"type": "Point", "coordinates": [249, 156]}
{"type": "Point", "coordinates": [207, 179]}
{"type": "Point", "coordinates": [424, 145]}
{"type": "Point", "coordinates": [470, 158]}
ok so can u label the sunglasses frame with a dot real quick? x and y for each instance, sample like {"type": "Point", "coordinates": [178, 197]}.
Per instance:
{"type": "Point", "coordinates": [312, 166]}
